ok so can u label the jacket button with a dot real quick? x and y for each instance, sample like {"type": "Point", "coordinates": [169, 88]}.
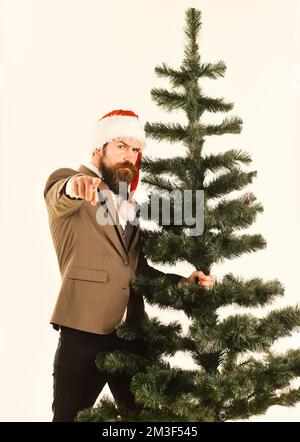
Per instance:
{"type": "Point", "coordinates": [125, 262]}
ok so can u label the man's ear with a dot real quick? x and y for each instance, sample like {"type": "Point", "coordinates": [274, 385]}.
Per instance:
{"type": "Point", "coordinates": [98, 151]}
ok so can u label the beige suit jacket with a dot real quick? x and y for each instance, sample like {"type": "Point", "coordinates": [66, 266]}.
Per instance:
{"type": "Point", "coordinates": [97, 269]}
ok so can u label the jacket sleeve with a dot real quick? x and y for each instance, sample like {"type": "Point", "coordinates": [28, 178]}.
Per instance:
{"type": "Point", "coordinates": [144, 269]}
{"type": "Point", "coordinates": [58, 203]}
{"type": "Point", "coordinates": [136, 305]}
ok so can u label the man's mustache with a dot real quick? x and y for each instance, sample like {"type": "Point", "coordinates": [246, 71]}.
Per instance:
{"type": "Point", "coordinates": [123, 165]}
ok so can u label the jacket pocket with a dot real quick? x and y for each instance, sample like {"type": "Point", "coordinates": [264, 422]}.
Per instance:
{"type": "Point", "coordinates": [85, 274]}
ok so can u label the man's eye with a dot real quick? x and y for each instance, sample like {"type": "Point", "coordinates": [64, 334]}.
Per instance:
{"type": "Point", "coordinates": [137, 149]}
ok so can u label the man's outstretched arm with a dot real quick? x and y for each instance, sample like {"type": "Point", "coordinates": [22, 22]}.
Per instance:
{"type": "Point", "coordinates": [136, 306]}
{"type": "Point", "coordinates": [144, 269]}
{"type": "Point", "coordinates": [197, 276]}
{"type": "Point", "coordinates": [66, 189]}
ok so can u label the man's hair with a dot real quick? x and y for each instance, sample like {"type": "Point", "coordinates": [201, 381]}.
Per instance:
{"type": "Point", "coordinates": [103, 148]}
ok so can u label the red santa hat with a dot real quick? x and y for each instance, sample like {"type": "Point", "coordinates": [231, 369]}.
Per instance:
{"type": "Point", "coordinates": [120, 123]}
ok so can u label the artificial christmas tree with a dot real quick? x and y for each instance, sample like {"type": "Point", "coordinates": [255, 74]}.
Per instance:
{"type": "Point", "coordinates": [228, 383]}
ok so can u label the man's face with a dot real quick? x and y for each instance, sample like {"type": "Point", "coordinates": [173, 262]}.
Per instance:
{"type": "Point", "coordinates": [117, 160]}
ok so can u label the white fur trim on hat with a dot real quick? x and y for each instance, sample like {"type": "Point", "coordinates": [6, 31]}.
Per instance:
{"type": "Point", "coordinates": [117, 126]}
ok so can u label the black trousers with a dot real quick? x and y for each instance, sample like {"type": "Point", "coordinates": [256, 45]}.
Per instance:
{"type": "Point", "coordinates": [76, 380]}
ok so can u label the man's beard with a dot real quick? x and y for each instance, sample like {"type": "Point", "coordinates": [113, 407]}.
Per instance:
{"type": "Point", "coordinates": [116, 174]}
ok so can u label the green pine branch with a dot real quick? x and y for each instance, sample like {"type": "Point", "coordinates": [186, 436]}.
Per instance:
{"type": "Point", "coordinates": [105, 411]}
{"type": "Point", "coordinates": [177, 78]}
{"type": "Point", "coordinates": [223, 245]}
{"type": "Point", "coordinates": [266, 379]}
{"type": "Point", "coordinates": [230, 125]}
{"type": "Point", "coordinates": [160, 184]}
{"type": "Point", "coordinates": [168, 100]}
{"type": "Point", "coordinates": [174, 100]}
{"type": "Point", "coordinates": [174, 166]}
{"type": "Point", "coordinates": [120, 362]}
{"type": "Point", "coordinates": [253, 292]}
{"type": "Point", "coordinates": [279, 323]}
{"type": "Point", "coordinates": [184, 76]}
{"type": "Point", "coordinates": [227, 216]}
{"type": "Point", "coordinates": [168, 248]}
{"type": "Point", "coordinates": [236, 179]}
{"type": "Point", "coordinates": [209, 104]}
{"type": "Point", "coordinates": [188, 298]}
{"type": "Point", "coordinates": [213, 70]}
{"type": "Point", "coordinates": [197, 302]}
{"type": "Point", "coordinates": [172, 132]}
{"type": "Point", "coordinates": [241, 333]}
{"type": "Point", "coordinates": [229, 160]}
{"type": "Point", "coordinates": [157, 337]}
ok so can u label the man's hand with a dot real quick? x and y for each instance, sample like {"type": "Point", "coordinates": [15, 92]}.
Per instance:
{"type": "Point", "coordinates": [85, 187]}
{"type": "Point", "coordinates": [206, 281]}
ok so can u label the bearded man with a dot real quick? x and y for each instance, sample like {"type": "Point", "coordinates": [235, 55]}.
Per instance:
{"type": "Point", "coordinates": [98, 262]}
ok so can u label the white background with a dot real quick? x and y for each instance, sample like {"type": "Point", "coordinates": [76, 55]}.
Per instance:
{"type": "Point", "coordinates": [65, 63]}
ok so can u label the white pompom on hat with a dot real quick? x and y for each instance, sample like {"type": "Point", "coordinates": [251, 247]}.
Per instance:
{"type": "Point", "coordinates": [116, 124]}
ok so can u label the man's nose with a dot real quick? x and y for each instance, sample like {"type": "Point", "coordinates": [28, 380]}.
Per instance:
{"type": "Point", "coordinates": [129, 156]}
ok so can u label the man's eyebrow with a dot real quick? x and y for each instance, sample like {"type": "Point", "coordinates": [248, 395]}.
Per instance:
{"type": "Point", "coordinates": [123, 142]}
